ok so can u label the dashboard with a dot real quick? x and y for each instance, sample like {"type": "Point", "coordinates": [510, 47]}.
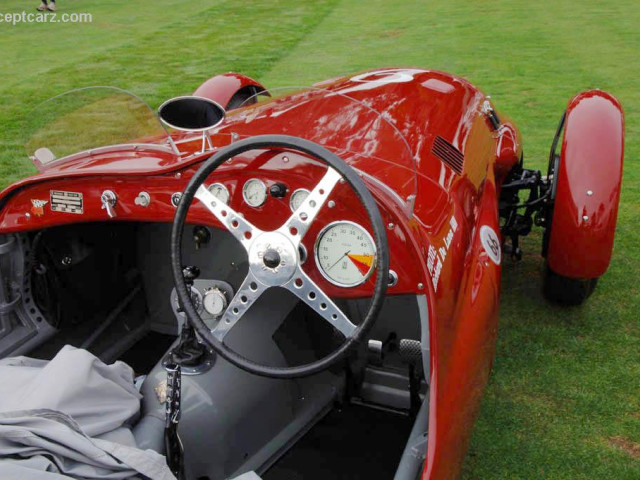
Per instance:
{"type": "Point", "coordinates": [265, 187]}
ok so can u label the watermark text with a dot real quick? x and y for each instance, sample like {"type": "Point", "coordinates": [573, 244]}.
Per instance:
{"type": "Point", "coordinates": [45, 17]}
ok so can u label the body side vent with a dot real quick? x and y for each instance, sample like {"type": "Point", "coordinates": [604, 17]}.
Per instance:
{"type": "Point", "coordinates": [448, 154]}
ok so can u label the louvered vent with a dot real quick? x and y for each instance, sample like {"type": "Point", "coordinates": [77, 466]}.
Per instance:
{"type": "Point", "coordinates": [448, 154]}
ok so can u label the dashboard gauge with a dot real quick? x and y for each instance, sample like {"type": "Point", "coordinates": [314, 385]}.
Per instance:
{"type": "Point", "coordinates": [214, 302]}
{"type": "Point", "coordinates": [345, 254]}
{"type": "Point", "coordinates": [219, 191]}
{"type": "Point", "coordinates": [297, 197]}
{"type": "Point", "coordinates": [254, 192]}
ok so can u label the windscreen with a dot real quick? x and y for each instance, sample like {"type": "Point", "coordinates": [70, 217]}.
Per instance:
{"type": "Point", "coordinates": [97, 119]}
{"type": "Point", "coordinates": [87, 119]}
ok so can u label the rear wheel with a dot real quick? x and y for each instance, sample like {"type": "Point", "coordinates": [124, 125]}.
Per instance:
{"type": "Point", "coordinates": [565, 290]}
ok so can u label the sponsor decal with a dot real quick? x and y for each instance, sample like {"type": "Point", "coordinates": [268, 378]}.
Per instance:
{"type": "Point", "coordinates": [66, 202]}
{"type": "Point", "coordinates": [491, 243]}
{"type": "Point", "coordinates": [436, 257]}
{"type": "Point", "coordinates": [37, 206]}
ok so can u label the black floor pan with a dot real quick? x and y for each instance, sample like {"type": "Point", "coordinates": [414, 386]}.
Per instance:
{"type": "Point", "coordinates": [353, 443]}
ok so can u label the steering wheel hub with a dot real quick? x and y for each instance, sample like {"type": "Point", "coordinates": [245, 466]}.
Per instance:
{"type": "Point", "coordinates": [273, 259]}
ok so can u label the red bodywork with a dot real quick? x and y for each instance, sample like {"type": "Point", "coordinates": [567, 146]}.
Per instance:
{"type": "Point", "coordinates": [589, 178]}
{"type": "Point", "coordinates": [437, 251]}
{"type": "Point", "coordinates": [222, 88]}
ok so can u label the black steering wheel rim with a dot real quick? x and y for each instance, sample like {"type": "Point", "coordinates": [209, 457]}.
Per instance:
{"type": "Point", "coordinates": [379, 235]}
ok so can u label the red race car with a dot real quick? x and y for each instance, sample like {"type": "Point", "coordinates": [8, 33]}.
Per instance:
{"type": "Point", "coordinates": [303, 282]}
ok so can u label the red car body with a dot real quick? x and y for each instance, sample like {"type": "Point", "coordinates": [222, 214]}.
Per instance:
{"type": "Point", "coordinates": [437, 249]}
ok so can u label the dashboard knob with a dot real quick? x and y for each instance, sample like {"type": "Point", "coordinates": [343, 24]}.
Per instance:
{"type": "Point", "coordinates": [278, 190]}
{"type": "Point", "coordinates": [109, 200]}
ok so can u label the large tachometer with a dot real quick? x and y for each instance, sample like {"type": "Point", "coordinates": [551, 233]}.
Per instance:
{"type": "Point", "coordinates": [345, 254]}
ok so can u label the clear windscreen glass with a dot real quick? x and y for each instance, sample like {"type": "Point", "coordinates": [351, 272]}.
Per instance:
{"type": "Point", "coordinates": [88, 119]}
{"type": "Point", "coordinates": [361, 136]}
{"type": "Point", "coordinates": [96, 118]}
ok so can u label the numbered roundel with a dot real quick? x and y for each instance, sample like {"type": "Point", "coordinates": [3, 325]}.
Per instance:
{"type": "Point", "coordinates": [345, 254]}
{"type": "Point", "coordinates": [491, 243]}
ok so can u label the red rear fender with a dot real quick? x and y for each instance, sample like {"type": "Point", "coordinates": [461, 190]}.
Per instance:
{"type": "Point", "coordinates": [588, 186]}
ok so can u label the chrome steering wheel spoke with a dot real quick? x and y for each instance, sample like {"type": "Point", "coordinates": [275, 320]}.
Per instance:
{"type": "Point", "coordinates": [299, 222]}
{"type": "Point", "coordinates": [304, 288]}
{"type": "Point", "coordinates": [240, 228]}
{"type": "Point", "coordinates": [248, 293]}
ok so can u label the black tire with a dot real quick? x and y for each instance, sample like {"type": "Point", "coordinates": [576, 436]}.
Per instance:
{"type": "Point", "coordinates": [567, 291]}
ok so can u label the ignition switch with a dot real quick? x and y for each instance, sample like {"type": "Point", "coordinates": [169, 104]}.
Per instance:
{"type": "Point", "coordinates": [201, 236]}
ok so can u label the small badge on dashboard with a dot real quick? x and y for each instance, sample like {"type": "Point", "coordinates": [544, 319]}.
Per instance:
{"type": "Point", "coordinates": [66, 202]}
{"type": "Point", "coordinates": [37, 206]}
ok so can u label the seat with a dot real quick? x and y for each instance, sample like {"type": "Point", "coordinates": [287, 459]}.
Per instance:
{"type": "Point", "coordinates": [75, 417]}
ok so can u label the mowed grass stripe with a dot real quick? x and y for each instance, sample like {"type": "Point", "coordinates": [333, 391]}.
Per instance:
{"type": "Point", "coordinates": [175, 59]}
{"type": "Point", "coordinates": [35, 48]}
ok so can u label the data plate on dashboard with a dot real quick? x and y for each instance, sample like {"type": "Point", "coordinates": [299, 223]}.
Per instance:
{"type": "Point", "coordinates": [66, 202]}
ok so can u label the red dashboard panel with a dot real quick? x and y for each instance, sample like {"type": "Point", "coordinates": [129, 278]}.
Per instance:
{"type": "Point", "coordinates": [42, 205]}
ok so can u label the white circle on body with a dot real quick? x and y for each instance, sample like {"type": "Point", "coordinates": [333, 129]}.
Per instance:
{"type": "Point", "coordinates": [491, 243]}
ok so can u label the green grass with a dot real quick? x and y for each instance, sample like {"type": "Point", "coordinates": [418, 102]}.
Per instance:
{"type": "Point", "coordinates": [564, 397]}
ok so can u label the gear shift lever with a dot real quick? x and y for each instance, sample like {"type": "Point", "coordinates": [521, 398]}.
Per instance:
{"type": "Point", "coordinates": [190, 273]}
{"type": "Point", "coordinates": [189, 352]}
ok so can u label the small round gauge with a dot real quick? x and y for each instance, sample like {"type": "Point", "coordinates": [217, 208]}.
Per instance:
{"type": "Point", "coordinates": [214, 302]}
{"type": "Point", "coordinates": [297, 197]}
{"type": "Point", "coordinates": [219, 191]}
{"type": "Point", "coordinates": [345, 254]}
{"type": "Point", "coordinates": [254, 192]}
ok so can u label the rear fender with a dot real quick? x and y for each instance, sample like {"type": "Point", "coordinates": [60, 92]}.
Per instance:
{"type": "Point", "coordinates": [589, 177]}
{"type": "Point", "coordinates": [230, 90]}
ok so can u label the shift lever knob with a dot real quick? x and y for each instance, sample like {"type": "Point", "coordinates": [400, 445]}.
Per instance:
{"type": "Point", "coordinates": [190, 273]}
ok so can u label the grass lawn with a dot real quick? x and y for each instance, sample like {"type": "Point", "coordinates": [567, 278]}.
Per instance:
{"type": "Point", "coordinates": [564, 397]}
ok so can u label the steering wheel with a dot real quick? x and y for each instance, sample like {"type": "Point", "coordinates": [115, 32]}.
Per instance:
{"type": "Point", "coordinates": [274, 258]}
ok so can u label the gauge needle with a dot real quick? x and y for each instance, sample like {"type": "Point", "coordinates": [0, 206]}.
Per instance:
{"type": "Point", "coordinates": [339, 260]}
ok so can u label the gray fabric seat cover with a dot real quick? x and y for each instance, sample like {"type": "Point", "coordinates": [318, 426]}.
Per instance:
{"type": "Point", "coordinates": [70, 417]}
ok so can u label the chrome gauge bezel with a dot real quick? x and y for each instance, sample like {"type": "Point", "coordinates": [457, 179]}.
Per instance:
{"type": "Point", "coordinates": [224, 188]}
{"type": "Point", "coordinates": [244, 192]}
{"type": "Point", "coordinates": [296, 192]}
{"type": "Point", "coordinates": [374, 264]}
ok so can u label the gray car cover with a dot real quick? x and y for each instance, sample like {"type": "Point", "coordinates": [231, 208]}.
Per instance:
{"type": "Point", "coordinates": [69, 418]}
